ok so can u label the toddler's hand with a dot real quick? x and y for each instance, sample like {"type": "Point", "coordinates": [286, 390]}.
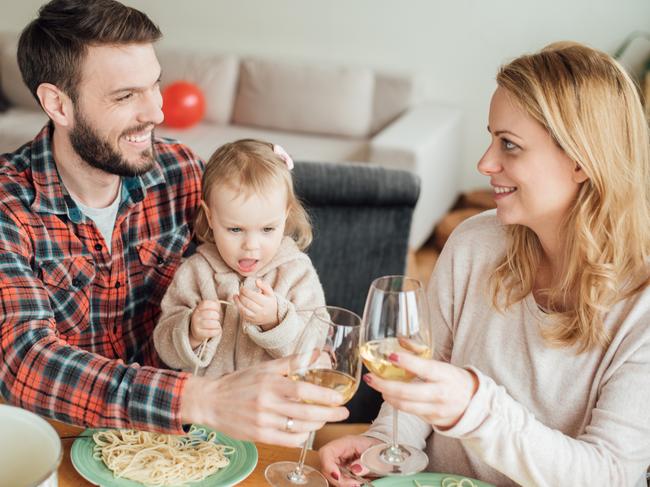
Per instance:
{"type": "Point", "coordinates": [205, 322]}
{"type": "Point", "coordinates": [260, 308]}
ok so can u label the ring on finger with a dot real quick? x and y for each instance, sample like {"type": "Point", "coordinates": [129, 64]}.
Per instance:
{"type": "Point", "coordinates": [288, 426]}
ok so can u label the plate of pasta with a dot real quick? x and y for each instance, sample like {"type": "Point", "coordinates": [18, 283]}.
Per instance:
{"type": "Point", "coordinates": [429, 479]}
{"type": "Point", "coordinates": [130, 458]}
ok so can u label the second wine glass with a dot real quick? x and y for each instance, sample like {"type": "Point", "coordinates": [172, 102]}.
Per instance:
{"type": "Point", "coordinates": [327, 354]}
{"type": "Point", "coordinates": [396, 319]}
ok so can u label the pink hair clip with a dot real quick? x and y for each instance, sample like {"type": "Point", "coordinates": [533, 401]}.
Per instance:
{"type": "Point", "coordinates": [284, 155]}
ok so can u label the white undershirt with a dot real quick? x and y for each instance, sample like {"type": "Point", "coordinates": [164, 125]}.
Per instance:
{"type": "Point", "coordinates": [104, 218]}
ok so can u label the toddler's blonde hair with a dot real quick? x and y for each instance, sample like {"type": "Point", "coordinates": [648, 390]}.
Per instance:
{"type": "Point", "coordinates": [252, 166]}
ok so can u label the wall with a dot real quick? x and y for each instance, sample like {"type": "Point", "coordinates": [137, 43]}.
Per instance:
{"type": "Point", "coordinates": [456, 46]}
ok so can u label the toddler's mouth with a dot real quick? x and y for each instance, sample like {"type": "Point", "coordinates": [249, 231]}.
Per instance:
{"type": "Point", "coordinates": [247, 265]}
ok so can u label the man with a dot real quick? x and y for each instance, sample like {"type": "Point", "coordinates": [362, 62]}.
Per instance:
{"type": "Point", "coordinates": [95, 214]}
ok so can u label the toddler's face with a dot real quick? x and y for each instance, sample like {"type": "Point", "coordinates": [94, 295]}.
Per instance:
{"type": "Point", "coordinates": [247, 228]}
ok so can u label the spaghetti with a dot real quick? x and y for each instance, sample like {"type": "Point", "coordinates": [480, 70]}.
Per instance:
{"type": "Point", "coordinates": [157, 459]}
{"type": "Point", "coordinates": [451, 482]}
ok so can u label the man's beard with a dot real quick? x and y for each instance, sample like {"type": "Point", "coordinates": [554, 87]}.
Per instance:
{"type": "Point", "coordinates": [98, 152]}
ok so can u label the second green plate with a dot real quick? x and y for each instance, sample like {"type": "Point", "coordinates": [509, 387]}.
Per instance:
{"type": "Point", "coordinates": [426, 479]}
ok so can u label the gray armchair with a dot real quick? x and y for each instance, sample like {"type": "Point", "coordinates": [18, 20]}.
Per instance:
{"type": "Point", "coordinates": [361, 217]}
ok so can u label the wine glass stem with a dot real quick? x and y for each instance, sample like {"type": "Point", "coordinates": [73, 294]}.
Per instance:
{"type": "Point", "coordinates": [297, 476]}
{"type": "Point", "coordinates": [395, 422]}
{"type": "Point", "coordinates": [394, 454]}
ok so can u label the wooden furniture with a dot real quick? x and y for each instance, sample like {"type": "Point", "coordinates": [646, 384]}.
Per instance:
{"type": "Point", "coordinates": [68, 476]}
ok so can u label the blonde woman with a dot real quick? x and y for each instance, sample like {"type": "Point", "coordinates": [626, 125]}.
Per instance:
{"type": "Point", "coordinates": [541, 310]}
{"type": "Point", "coordinates": [253, 229]}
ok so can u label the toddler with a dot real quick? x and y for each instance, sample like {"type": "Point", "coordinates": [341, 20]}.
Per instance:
{"type": "Point", "coordinates": [249, 290]}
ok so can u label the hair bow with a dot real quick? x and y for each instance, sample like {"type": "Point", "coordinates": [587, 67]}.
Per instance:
{"type": "Point", "coordinates": [284, 155]}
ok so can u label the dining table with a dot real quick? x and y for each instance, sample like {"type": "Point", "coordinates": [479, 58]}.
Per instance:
{"type": "Point", "coordinates": [267, 454]}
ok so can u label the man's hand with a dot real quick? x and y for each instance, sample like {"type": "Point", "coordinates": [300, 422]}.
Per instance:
{"type": "Point", "coordinates": [256, 403]}
{"type": "Point", "coordinates": [205, 322]}
{"type": "Point", "coordinates": [259, 308]}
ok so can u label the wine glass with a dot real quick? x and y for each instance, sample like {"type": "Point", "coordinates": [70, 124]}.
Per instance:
{"type": "Point", "coordinates": [395, 319]}
{"type": "Point", "coordinates": [327, 354]}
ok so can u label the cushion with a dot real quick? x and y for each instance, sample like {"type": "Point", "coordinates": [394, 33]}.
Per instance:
{"type": "Point", "coordinates": [394, 93]}
{"type": "Point", "coordinates": [216, 75]}
{"type": "Point", "coordinates": [11, 81]}
{"type": "Point", "coordinates": [634, 54]}
{"type": "Point", "coordinates": [303, 97]}
{"type": "Point", "coordinates": [18, 126]}
{"type": "Point", "coordinates": [205, 138]}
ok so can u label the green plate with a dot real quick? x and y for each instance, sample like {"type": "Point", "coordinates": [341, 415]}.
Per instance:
{"type": "Point", "coordinates": [242, 463]}
{"type": "Point", "coordinates": [426, 479]}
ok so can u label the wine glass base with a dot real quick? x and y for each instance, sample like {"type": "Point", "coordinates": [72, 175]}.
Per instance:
{"type": "Point", "coordinates": [412, 461]}
{"type": "Point", "coordinates": [283, 474]}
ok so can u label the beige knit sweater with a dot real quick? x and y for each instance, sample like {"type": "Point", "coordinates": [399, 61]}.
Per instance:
{"type": "Point", "coordinates": [205, 276]}
{"type": "Point", "coordinates": [541, 416]}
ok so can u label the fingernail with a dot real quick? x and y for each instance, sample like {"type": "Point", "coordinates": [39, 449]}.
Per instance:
{"type": "Point", "coordinates": [356, 468]}
{"type": "Point", "coordinates": [393, 357]}
{"type": "Point", "coordinates": [367, 378]}
{"type": "Point", "coordinates": [334, 475]}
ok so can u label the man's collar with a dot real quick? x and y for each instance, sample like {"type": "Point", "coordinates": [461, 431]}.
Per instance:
{"type": "Point", "coordinates": [52, 197]}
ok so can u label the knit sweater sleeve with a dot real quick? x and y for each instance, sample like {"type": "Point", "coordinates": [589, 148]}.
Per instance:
{"type": "Point", "coordinates": [192, 283]}
{"type": "Point", "coordinates": [613, 449]}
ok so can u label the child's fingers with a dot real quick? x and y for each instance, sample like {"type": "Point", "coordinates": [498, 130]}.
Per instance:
{"type": "Point", "coordinates": [249, 303]}
{"type": "Point", "coordinates": [266, 289]}
{"type": "Point", "coordinates": [208, 304]}
{"type": "Point", "coordinates": [209, 315]}
{"type": "Point", "coordinates": [250, 294]}
{"type": "Point", "coordinates": [210, 324]}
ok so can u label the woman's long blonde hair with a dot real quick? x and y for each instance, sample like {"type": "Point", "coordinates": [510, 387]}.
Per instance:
{"type": "Point", "coordinates": [252, 166]}
{"type": "Point", "coordinates": [591, 108]}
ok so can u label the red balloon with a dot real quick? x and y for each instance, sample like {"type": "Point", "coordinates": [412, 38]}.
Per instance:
{"type": "Point", "coordinates": [183, 104]}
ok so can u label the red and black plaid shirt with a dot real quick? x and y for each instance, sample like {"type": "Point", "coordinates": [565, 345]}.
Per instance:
{"type": "Point", "coordinates": [76, 321]}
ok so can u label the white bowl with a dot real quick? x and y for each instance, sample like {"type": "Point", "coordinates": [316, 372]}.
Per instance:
{"type": "Point", "coordinates": [30, 449]}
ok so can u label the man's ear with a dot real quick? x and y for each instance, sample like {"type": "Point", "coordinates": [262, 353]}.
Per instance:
{"type": "Point", "coordinates": [579, 176]}
{"type": "Point", "coordinates": [57, 105]}
{"type": "Point", "coordinates": [207, 213]}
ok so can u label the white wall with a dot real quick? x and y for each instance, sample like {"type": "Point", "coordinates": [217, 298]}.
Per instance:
{"type": "Point", "coordinates": [455, 45]}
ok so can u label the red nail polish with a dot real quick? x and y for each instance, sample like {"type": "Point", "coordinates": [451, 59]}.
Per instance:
{"type": "Point", "coordinates": [356, 468]}
{"type": "Point", "coordinates": [367, 379]}
{"type": "Point", "coordinates": [334, 475]}
{"type": "Point", "coordinates": [393, 357]}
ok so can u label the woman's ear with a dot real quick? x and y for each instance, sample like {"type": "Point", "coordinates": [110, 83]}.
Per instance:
{"type": "Point", "coordinates": [208, 216]}
{"type": "Point", "coordinates": [56, 104]}
{"type": "Point", "coordinates": [579, 176]}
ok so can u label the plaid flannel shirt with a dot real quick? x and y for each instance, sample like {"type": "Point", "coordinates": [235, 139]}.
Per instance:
{"type": "Point", "coordinates": [76, 322]}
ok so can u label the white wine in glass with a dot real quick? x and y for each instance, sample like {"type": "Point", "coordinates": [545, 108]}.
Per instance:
{"type": "Point", "coordinates": [341, 382]}
{"type": "Point", "coordinates": [375, 355]}
{"type": "Point", "coordinates": [396, 320]}
{"type": "Point", "coordinates": [327, 355]}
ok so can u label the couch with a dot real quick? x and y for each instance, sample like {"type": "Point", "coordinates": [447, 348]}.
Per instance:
{"type": "Point", "coordinates": [361, 217]}
{"type": "Point", "coordinates": [317, 111]}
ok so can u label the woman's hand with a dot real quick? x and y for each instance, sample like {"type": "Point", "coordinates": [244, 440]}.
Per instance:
{"type": "Point", "coordinates": [205, 322]}
{"type": "Point", "coordinates": [440, 397]}
{"type": "Point", "coordinates": [259, 308]}
{"type": "Point", "coordinates": [344, 451]}
{"type": "Point", "coordinates": [257, 403]}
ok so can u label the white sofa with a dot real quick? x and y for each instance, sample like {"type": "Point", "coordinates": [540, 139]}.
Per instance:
{"type": "Point", "coordinates": [318, 112]}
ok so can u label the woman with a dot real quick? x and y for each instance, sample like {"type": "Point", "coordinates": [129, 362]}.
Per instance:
{"type": "Point", "coordinates": [541, 310]}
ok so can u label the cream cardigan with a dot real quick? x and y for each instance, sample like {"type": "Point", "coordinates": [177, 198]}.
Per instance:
{"type": "Point", "coordinates": [205, 276]}
{"type": "Point", "coordinates": [542, 415]}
